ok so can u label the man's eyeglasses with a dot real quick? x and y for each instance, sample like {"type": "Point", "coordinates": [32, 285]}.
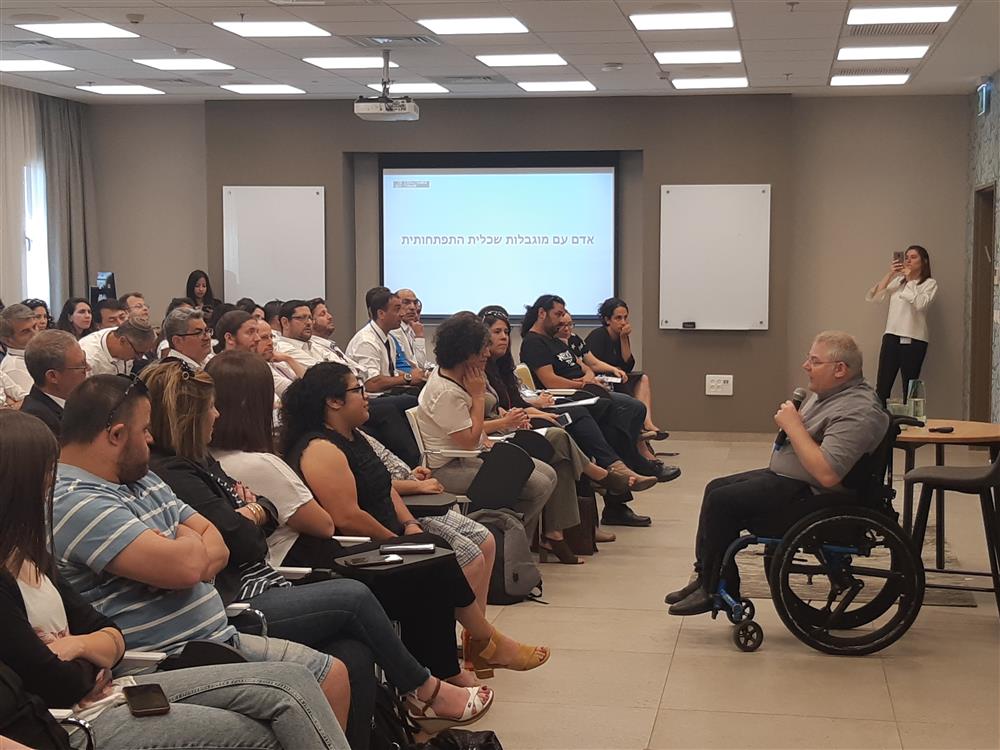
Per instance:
{"type": "Point", "coordinates": [134, 385]}
{"type": "Point", "coordinates": [203, 333]}
{"type": "Point", "coordinates": [355, 389]}
{"type": "Point", "coordinates": [304, 318]}
{"type": "Point", "coordinates": [816, 361]}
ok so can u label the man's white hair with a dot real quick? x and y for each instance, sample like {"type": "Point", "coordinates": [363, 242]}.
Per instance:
{"type": "Point", "coordinates": [841, 347]}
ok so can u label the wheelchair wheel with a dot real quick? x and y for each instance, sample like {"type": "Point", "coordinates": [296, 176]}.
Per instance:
{"type": "Point", "coordinates": [847, 581]}
{"type": "Point", "coordinates": [748, 636]}
{"type": "Point", "coordinates": [748, 612]}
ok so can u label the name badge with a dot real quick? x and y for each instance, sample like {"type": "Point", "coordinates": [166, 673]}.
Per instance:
{"type": "Point", "coordinates": [905, 340]}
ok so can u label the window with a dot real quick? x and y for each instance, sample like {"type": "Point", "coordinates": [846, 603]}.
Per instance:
{"type": "Point", "coordinates": [35, 274]}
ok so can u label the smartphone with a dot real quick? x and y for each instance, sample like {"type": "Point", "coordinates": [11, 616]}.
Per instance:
{"type": "Point", "coordinates": [363, 561]}
{"type": "Point", "coordinates": [563, 419]}
{"type": "Point", "coordinates": [406, 549]}
{"type": "Point", "coordinates": [146, 700]}
{"type": "Point", "coordinates": [897, 257]}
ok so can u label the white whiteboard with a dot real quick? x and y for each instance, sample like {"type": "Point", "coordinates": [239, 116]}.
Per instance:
{"type": "Point", "coordinates": [274, 242]}
{"type": "Point", "coordinates": [715, 245]}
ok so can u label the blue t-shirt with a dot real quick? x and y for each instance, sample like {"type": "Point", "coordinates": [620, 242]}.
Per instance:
{"type": "Point", "coordinates": [94, 520]}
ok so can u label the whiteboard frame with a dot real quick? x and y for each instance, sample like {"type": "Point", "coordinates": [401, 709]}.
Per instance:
{"type": "Point", "coordinates": [297, 246]}
{"type": "Point", "coordinates": [715, 274]}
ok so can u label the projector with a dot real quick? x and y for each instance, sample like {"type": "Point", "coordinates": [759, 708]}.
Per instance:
{"type": "Point", "coordinates": [384, 109]}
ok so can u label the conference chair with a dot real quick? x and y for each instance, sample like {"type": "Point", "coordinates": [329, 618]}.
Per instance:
{"type": "Point", "coordinates": [411, 417]}
{"type": "Point", "coordinates": [523, 373]}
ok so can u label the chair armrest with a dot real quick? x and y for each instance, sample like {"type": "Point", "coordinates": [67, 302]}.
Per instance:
{"type": "Point", "coordinates": [135, 659]}
{"type": "Point", "coordinates": [60, 714]}
{"type": "Point", "coordinates": [455, 453]}
{"type": "Point", "coordinates": [294, 574]}
{"type": "Point", "coordinates": [237, 608]}
{"type": "Point", "coordinates": [351, 539]}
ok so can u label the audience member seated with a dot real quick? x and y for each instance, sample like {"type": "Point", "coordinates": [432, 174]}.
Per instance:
{"type": "Point", "coordinates": [134, 551]}
{"type": "Point", "coordinates": [17, 327]}
{"type": "Point", "coordinates": [297, 338]}
{"type": "Point", "coordinates": [321, 614]}
{"type": "Point", "coordinates": [285, 369]}
{"type": "Point", "coordinates": [247, 305]}
{"type": "Point", "coordinates": [271, 311]}
{"type": "Point", "coordinates": [76, 317]}
{"type": "Point", "coordinates": [57, 365]}
{"type": "Point", "coordinates": [553, 365]}
{"type": "Point", "coordinates": [63, 650]}
{"type": "Point", "coordinates": [611, 343]}
{"type": "Point", "coordinates": [840, 422]}
{"type": "Point", "coordinates": [199, 290]}
{"type": "Point", "coordinates": [453, 412]}
{"type": "Point", "coordinates": [43, 318]}
{"type": "Point", "coordinates": [375, 349]}
{"type": "Point", "coordinates": [113, 350]}
{"type": "Point", "coordinates": [321, 414]}
{"type": "Point", "coordinates": [410, 334]}
{"type": "Point", "coordinates": [188, 337]}
{"type": "Point", "coordinates": [325, 347]}
{"type": "Point", "coordinates": [110, 313]}
{"type": "Point", "coordinates": [237, 330]}
{"type": "Point", "coordinates": [135, 305]}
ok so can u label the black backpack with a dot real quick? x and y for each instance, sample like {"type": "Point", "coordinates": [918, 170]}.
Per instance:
{"type": "Point", "coordinates": [25, 718]}
{"type": "Point", "coordinates": [391, 728]}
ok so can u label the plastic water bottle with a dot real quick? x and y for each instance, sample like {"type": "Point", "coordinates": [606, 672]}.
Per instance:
{"type": "Point", "coordinates": [917, 399]}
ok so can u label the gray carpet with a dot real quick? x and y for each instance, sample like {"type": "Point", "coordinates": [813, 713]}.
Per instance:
{"type": "Point", "coordinates": [754, 584]}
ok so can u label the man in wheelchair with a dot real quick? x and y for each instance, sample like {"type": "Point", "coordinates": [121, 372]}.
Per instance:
{"type": "Point", "coordinates": [839, 423]}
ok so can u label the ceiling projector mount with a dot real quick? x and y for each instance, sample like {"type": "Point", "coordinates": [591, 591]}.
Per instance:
{"type": "Point", "coordinates": [384, 108]}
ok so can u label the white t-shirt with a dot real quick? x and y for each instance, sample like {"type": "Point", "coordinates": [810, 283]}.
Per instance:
{"type": "Point", "coordinates": [9, 390]}
{"type": "Point", "coordinates": [14, 368]}
{"type": "Point", "coordinates": [266, 474]}
{"type": "Point", "coordinates": [908, 305]}
{"type": "Point", "coordinates": [445, 408]}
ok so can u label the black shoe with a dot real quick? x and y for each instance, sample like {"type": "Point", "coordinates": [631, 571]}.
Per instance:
{"type": "Point", "coordinates": [622, 515]}
{"type": "Point", "coordinates": [668, 473]}
{"type": "Point", "coordinates": [675, 596]}
{"type": "Point", "coordinates": [698, 602]}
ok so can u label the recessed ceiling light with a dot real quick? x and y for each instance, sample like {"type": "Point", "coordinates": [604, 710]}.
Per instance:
{"type": "Point", "coordinates": [885, 80]}
{"type": "Point", "coordinates": [882, 53]}
{"type": "Point", "coordinates": [271, 28]}
{"type": "Point", "coordinates": [696, 57]}
{"type": "Point", "coordinates": [78, 30]}
{"type": "Point", "coordinates": [120, 90]}
{"type": "Point", "coordinates": [474, 25]}
{"type": "Point", "coordinates": [30, 66]}
{"type": "Point", "coordinates": [261, 88]}
{"type": "Point", "coordinates": [660, 21]}
{"type": "Point", "coordinates": [926, 14]}
{"type": "Point", "coordinates": [411, 88]}
{"type": "Point", "coordinates": [536, 86]}
{"type": "Point", "coordinates": [346, 63]}
{"type": "Point", "coordinates": [710, 83]}
{"type": "Point", "coordinates": [185, 63]}
{"type": "Point", "coordinates": [520, 61]}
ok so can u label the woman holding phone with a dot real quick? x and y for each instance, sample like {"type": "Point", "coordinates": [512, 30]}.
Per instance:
{"type": "Point", "coordinates": [910, 290]}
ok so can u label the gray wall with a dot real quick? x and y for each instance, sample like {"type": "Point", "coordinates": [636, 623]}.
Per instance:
{"type": "Point", "coordinates": [839, 207]}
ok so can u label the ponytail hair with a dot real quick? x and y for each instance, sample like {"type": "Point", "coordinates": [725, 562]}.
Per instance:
{"type": "Point", "coordinates": [545, 302]}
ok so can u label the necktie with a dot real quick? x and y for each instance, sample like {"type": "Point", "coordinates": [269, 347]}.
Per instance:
{"type": "Point", "coordinates": [392, 357]}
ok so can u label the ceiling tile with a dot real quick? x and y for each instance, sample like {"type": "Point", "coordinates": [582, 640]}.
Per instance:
{"type": "Point", "coordinates": [569, 15]}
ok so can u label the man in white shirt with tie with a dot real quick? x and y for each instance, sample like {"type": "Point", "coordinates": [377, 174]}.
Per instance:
{"type": "Point", "coordinates": [410, 334]}
{"type": "Point", "coordinates": [374, 348]}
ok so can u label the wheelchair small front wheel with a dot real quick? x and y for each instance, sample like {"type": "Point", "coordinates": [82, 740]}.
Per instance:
{"type": "Point", "coordinates": [748, 636]}
{"type": "Point", "coordinates": [747, 612]}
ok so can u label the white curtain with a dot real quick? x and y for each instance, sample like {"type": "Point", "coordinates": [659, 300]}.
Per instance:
{"type": "Point", "coordinates": [20, 160]}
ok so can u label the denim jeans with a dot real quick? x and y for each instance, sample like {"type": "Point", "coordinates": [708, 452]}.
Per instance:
{"type": "Point", "coordinates": [260, 706]}
{"type": "Point", "coordinates": [319, 614]}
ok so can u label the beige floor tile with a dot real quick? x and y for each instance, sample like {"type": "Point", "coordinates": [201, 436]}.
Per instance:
{"type": "Point", "coordinates": [528, 726]}
{"type": "Point", "coordinates": [691, 730]}
{"type": "Point", "coordinates": [943, 689]}
{"type": "Point", "coordinates": [588, 678]}
{"type": "Point", "coordinates": [949, 736]}
{"type": "Point", "coordinates": [760, 683]}
{"type": "Point", "coordinates": [591, 629]}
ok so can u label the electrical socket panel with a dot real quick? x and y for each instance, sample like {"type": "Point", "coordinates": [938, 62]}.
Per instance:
{"type": "Point", "coordinates": [718, 385]}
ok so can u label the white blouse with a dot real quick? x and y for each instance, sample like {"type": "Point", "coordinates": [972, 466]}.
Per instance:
{"type": "Point", "coordinates": [908, 303]}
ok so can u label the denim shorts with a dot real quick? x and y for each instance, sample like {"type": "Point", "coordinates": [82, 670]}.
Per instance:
{"type": "Point", "coordinates": [255, 648]}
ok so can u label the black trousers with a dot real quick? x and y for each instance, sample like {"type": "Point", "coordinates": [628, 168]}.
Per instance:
{"type": "Point", "coordinates": [422, 599]}
{"type": "Point", "coordinates": [730, 505]}
{"type": "Point", "coordinates": [896, 357]}
{"type": "Point", "coordinates": [387, 423]}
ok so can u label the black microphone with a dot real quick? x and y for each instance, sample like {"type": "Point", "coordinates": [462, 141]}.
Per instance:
{"type": "Point", "coordinates": [798, 396]}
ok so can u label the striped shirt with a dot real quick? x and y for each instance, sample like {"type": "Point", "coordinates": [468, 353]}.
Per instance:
{"type": "Point", "coordinates": [94, 520]}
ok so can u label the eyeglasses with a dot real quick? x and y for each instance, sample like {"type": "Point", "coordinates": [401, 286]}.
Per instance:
{"type": "Point", "coordinates": [302, 317]}
{"type": "Point", "coordinates": [204, 332]}
{"type": "Point", "coordinates": [355, 389]}
{"type": "Point", "coordinates": [816, 361]}
{"type": "Point", "coordinates": [134, 384]}
{"type": "Point", "coordinates": [74, 367]}
{"type": "Point", "coordinates": [495, 315]}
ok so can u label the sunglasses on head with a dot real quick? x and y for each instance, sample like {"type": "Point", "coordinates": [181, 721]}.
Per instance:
{"type": "Point", "coordinates": [135, 385]}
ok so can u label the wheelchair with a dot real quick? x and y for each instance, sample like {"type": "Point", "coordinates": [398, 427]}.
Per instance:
{"type": "Point", "coordinates": [820, 560]}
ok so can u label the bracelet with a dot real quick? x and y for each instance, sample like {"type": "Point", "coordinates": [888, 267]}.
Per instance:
{"type": "Point", "coordinates": [258, 513]}
{"type": "Point", "coordinates": [412, 522]}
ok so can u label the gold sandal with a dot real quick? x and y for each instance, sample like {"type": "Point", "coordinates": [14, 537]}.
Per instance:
{"type": "Point", "coordinates": [483, 651]}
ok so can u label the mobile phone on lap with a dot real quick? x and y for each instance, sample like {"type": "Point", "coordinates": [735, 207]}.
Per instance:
{"type": "Point", "coordinates": [146, 700]}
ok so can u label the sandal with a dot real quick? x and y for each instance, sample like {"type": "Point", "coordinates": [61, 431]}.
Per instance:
{"type": "Point", "coordinates": [424, 715]}
{"type": "Point", "coordinates": [641, 482]}
{"type": "Point", "coordinates": [525, 659]}
{"type": "Point", "coordinates": [654, 435]}
{"type": "Point", "coordinates": [558, 547]}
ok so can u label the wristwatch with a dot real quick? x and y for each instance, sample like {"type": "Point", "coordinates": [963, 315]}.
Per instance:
{"type": "Point", "coordinates": [407, 378]}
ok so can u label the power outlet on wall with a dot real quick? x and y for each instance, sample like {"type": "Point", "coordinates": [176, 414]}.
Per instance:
{"type": "Point", "coordinates": [718, 385]}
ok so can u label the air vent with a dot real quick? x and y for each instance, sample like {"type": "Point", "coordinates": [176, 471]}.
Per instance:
{"type": "Point", "coordinates": [36, 45]}
{"type": "Point", "coordinates": [871, 71]}
{"type": "Point", "coordinates": [894, 29]}
{"type": "Point", "coordinates": [394, 42]}
{"type": "Point", "coordinates": [478, 80]}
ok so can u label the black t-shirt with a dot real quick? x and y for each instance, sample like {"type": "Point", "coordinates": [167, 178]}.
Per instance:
{"type": "Point", "coordinates": [577, 346]}
{"type": "Point", "coordinates": [537, 351]}
{"type": "Point", "coordinates": [608, 349]}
